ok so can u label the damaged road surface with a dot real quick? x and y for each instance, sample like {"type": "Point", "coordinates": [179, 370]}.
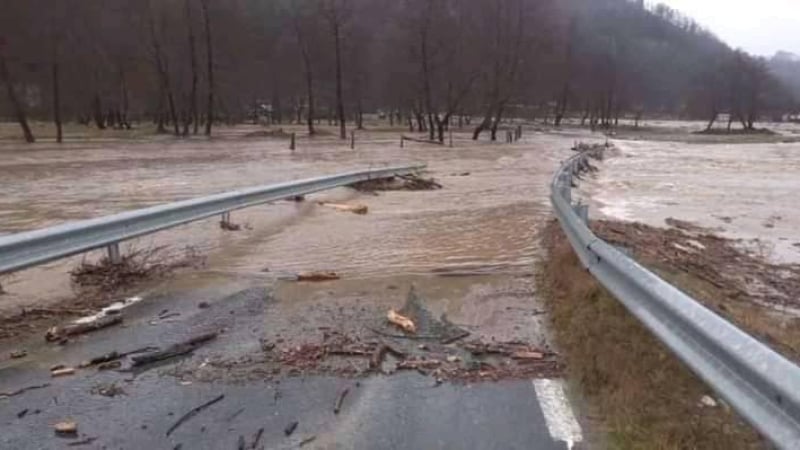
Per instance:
{"type": "Point", "coordinates": [258, 377]}
{"type": "Point", "coordinates": [416, 325]}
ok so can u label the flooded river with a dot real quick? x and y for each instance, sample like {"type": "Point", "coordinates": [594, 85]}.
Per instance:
{"type": "Point", "coordinates": [484, 220]}
{"type": "Point", "coordinates": [743, 191]}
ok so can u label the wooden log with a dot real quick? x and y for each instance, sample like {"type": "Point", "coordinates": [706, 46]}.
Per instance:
{"type": "Point", "coordinates": [57, 333]}
{"type": "Point", "coordinates": [401, 321]}
{"type": "Point", "coordinates": [174, 350]}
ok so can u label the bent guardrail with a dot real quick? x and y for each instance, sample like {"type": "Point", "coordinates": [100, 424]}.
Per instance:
{"type": "Point", "coordinates": [761, 385]}
{"type": "Point", "coordinates": [23, 250]}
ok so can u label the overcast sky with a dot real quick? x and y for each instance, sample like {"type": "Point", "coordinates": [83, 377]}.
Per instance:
{"type": "Point", "coordinates": [761, 26]}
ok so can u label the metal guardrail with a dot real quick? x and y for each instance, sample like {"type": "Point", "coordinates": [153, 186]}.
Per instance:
{"type": "Point", "coordinates": [761, 385]}
{"type": "Point", "coordinates": [22, 250]}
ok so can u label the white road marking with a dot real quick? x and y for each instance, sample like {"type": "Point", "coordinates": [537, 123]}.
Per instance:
{"type": "Point", "coordinates": [561, 422]}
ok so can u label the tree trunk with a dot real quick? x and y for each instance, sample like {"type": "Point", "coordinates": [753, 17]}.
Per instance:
{"type": "Point", "coordinates": [310, 93]}
{"type": "Point", "coordinates": [162, 69]}
{"type": "Point", "coordinates": [97, 112]}
{"type": "Point", "coordinates": [193, 64]}
{"type": "Point", "coordinates": [339, 99]}
{"type": "Point", "coordinates": [711, 122]}
{"type": "Point", "coordinates": [498, 117]}
{"type": "Point", "coordinates": [277, 116]}
{"type": "Point", "coordinates": [210, 67]}
{"type": "Point", "coordinates": [485, 123]}
{"type": "Point", "coordinates": [57, 102]}
{"type": "Point", "coordinates": [124, 101]}
{"type": "Point", "coordinates": [19, 109]}
{"type": "Point", "coordinates": [359, 115]}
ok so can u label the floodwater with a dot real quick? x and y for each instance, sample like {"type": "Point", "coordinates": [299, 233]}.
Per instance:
{"type": "Point", "coordinates": [742, 191]}
{"type": "Point", "coordinates": [484, 222]}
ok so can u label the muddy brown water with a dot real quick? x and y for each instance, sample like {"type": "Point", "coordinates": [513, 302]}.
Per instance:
{"type": "Point", "coordinates": [484, 222]}
{"type": "Point", "coordinates": [742, 191]}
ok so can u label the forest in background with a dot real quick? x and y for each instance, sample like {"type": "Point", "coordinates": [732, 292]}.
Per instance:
{"type": "Point", "coordinates": [184, 65]}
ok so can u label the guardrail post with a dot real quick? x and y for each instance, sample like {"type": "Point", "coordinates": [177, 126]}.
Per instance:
{"type": "Point", "coordinates": [566, 187]}
{"type": "Point", "coordinates": [113, 253]}
{"type": "Point", "coordinates": [582, 211]}
{"type": "Point", "coordinates": [226, 217]}
{"type": "Point", "coordinates": [352, 140]}
{"type": "Point", "coordinates": [292, 142]}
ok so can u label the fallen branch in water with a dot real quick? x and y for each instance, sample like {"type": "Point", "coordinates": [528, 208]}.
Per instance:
{"type": "Point", "coordinates": [194, 412]}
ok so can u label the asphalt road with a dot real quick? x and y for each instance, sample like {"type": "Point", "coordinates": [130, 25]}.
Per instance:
{"type": "Point", "coordinates": [401, 411]}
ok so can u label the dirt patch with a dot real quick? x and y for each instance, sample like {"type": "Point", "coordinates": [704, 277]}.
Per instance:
{"type": "Point", "coordinates": [641, 395]}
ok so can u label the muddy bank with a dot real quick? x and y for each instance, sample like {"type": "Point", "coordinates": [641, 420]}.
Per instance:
{"type": "Point", "coordinates": [746, 288]}
{"type": "Point", "coordinates": [637, 392]}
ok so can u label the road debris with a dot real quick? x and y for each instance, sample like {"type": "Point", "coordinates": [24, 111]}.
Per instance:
{"type": "Point", "coordinates": [174, 350]}
{"type": "Point", "coordinates": [398, 183]}
{"type": "Point", "coordinates": [707, 401]}
{"type": "Point", "coordinates": [317, 276]}
{"type": "Point", "coordinates": [62, 372]}
{"type": "Point", "coordinates": [169, 315]}
{"type": "Point", "coordinates": [417, 364]}
{"type": "Point", "coordinates": [17, 354]}
{"type": "Point", "coordinates": [307, 441]}
{"type": "Point", "coordinates": [194, 412]}
{"type": "Point", "coordinates": [355, 209]}
{"type": "Point", "coordinates": [134, 267]}
{"type": "Point", "coordinates": [527, 355]}
{"type": "Point", "coordinates": [66, 428]}
{"type": "Point", "coordinates": [401, 321]}
{"type": "Point", "coordinates": [111, 365]}
{"type": "Point", "coordinates": [257, 438]}
{"type": "Point", "coordinates": [113, 356]}
{"type": "Point", "coordinates": [235, 414]}
{"type": "Point", "coordinates": [23, 390]}
{"type": "Point", "coordinates": [22, 413]}
{"type": "Point", "coordinates": [58, 333]}
{"type": "Point", "coordinates": [108, 390]}
{"type": "Point", "coordinates": [340, 400]}
{"type": "Point", "coordinates": [290, 428]}
{"type": "Point", "coordinates": [376, 361]}
{"type": "Point", "coordinates": [100, 359]}
{"type": "Point", "coordinates": [86, 441]}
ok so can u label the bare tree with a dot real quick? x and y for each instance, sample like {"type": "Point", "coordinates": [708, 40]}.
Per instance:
{"type": "Point", "coordinates": [162, 68]}
{"type": "Point", "coordinates": [308, 69]}
{"type": "Point", "coordinates": [192, 116]}
{"type": "Point", "coordinates": [337, 13]}
{"type": "Point", "coordinates": [209, 67]}
{"type": "Point", "coordinates": [16, 104]}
